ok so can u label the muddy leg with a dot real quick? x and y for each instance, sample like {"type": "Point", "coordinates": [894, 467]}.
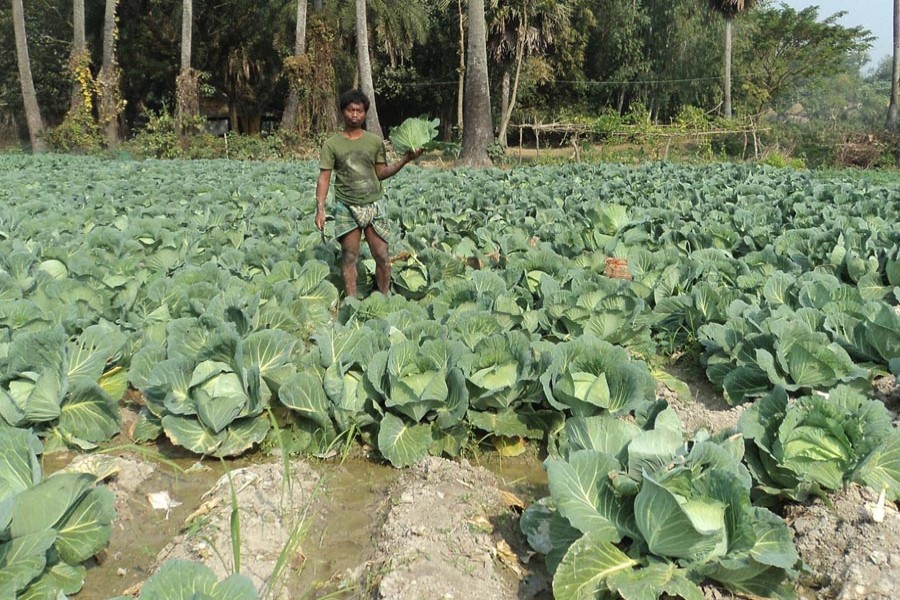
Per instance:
{"type": "Point", "coordinates": [350, 248]}
{"type": "Point", "coordinates": [379, 249]}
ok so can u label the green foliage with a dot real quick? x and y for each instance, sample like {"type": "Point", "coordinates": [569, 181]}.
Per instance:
{"type": "Point", "coordinates": [50, 525]}
{"type": "Point", "coordinates": [181, 578]}
{"type": "Point", "coordinates": [413, 134]}
{"type": "Point", "coordinates": [639, 509]}
{"type": "Point", "coordinates": [815, 444]}
{"type": "Point", "coordinates": [78, 133]}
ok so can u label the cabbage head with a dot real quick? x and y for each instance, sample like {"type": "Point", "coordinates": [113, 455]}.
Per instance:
{"type": "Point", "coordinates": [414, 133]}
{"type": "Point", "coordinates": [803, 447]}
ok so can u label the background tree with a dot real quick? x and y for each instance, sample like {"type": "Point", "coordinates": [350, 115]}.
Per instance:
{"type": "Point", "coordinates": [520, 28]}
{"type": "Point", "coordinates": [187, 86]}
{"type": "Point", "coordinates": [729, 9]}
{"type": "Point", "coordinates": [895, 72]}
{"type": "Point", "coordinates": [297, 69]}
{"type": "Point", "coordinates": [29, 97]}
{"type": "Point", "coordinates": [108, 81]}
{"type": "Point", "coordinates": [79, 59]}
{"type": "Point", "coordinates": [477, 123]}
{"type": "Point", "coordinates": [789, 51]}
{"type": "Point", "coordinates": [365, 67]}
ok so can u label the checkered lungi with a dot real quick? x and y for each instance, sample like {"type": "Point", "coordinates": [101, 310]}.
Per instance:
{"type": "Point", "coordinates": [348, 217]}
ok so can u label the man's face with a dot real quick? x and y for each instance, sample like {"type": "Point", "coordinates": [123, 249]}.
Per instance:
{"type": "Point", "coordinates": [355, 114]}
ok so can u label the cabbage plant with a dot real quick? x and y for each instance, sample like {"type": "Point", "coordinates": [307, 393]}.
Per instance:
{"type": "Point", "coordinates": [589, 376]}
{"type": "Point", "coordinates": [414, 133]}
{"type": "Point", "coordinates": [178, 578]}
{"type": "Point", "coordinates": [48, 526]}
{"type": "Point", "coordinates": [640, 513]}
{"type": "Point", "coordinates": [207, 388]}
{"type": "Point", "coordinates": [64, 388]}
{"type": "Point", "coordinates": [797, 448]}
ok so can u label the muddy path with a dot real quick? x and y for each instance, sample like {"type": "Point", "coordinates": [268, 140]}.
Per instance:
{"type": "Point", "coordinates": [441, 529]}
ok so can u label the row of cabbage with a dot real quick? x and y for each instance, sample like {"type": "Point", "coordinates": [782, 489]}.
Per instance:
{"type": "Point", "coordinates": [209, 291]}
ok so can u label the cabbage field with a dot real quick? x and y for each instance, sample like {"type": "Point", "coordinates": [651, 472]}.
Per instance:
{"type": "Point", "coordinates": [531, 307]}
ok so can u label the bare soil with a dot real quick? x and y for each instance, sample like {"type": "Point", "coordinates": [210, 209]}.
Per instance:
{"type": "Point", "coordinates": [441, 529]}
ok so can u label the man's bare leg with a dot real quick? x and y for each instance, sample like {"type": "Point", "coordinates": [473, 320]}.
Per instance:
{"type": "Point", "coordinates": [379, 249]}
{"type": "Point", "coordinates": [350, 250]}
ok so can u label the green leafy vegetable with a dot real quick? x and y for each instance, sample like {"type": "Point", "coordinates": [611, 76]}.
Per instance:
{"type": "Point", "coordinates": [414, 133]}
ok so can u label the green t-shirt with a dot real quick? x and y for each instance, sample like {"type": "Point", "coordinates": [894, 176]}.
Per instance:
{"type": "Point", "coordinates": [353, 163]}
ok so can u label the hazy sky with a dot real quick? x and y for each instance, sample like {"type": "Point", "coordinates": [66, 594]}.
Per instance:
{"type": "Point", "coordinates": [875, 15]}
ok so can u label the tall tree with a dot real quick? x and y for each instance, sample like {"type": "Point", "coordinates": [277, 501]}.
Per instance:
{"type": "Point", "coordinates": [477, 123]}
{"type": "Point", "coordinates": [110, 94]}
{"type": "Point", "coordinates": [365, 67]}
{"type": "Point", "coordinates": [289, 119]}
{"type": "Point", "coordinates": [187, 85]}
{"type": "Point", "coordinates": [729, 9]}
{"type": "Point", "coordinates": [520, 28]}
{"type": "Point", "coordinates": [79, 60]}
{"type": "Point", "coordinates": [29, 97]}
{"type": "Point", "coordinates": [895, 72]}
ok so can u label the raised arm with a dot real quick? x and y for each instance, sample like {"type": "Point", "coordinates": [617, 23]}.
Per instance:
{"type": "Point", "coordinates": [383, 170]}
{"type": "Point", "coordinates": [322, 184]}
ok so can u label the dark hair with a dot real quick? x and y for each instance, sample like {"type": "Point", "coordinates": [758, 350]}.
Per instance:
{"type": "Point", "coordinates": [354, 97]}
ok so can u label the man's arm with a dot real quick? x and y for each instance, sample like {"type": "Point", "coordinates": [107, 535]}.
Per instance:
{"type": "Point", "coordinates": [383, 171]}
{"type": "Point", "coordinates": [322, 184]}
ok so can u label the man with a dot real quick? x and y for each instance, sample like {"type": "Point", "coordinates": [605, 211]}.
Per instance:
{"type": "Point", "coordinates": [359, 162]}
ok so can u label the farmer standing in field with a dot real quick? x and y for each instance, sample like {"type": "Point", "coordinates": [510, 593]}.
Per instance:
{"type": "Point", "coordinates": [359, 162]}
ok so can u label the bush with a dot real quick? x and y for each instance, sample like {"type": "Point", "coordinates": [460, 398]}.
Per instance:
{"type": "Point", "coordinates": [79, 133]}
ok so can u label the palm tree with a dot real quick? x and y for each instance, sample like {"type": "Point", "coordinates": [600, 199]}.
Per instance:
{"type": "Point", "coordinates": [29, 97]}
{"type": "Point", "coordinates": [477, 125]}
{"type": "Point", "coordinates": [79, 60]}
{"type": "Point", "coordinates": [291, 111]}
{"type": "Point", "coordinates": [520, 28]}
{"type": "Point", "coordinates": [729, 9]}
{"type": "Point", "coordinates": [365, 67]}
{"type": "Point", "coordinates": [895, 72]}
{"type": "Point", "coordinates": [109, 78]}
{"type": "Point", "coordinates": [187, 88]}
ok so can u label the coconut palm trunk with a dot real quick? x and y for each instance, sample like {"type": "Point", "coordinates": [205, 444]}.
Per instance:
{"type": "Point", "coordinates": [509, 100]}
{"type": "Point", "coordinates": [29, 96]}
{"type": "Point", "coordinates": [895, 72]}
{"type": "Point", "coordinates": [109, 79]}
{"type": "Point", "coordinates": [477, 124]}
{"type": "Point", "coordinates": [187, 85]}
{"type": "Point", "coordinates": [365, 67]}
{"type": "Point", "coordinates": [290, 118]}
{"type": "Point", "coordinates": [78, 60]}
{"type": "Point", "coordinates": [729, 9]}
{"type": "Point", "coordinates": [462, 66]}
{"type": "Point", "coordinates": [729, 22]}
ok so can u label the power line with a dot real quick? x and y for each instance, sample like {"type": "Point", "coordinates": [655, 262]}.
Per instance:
{"type": "Point", "coordinates": [586, 82]}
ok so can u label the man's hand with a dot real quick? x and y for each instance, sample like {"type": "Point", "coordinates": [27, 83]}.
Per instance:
{"type": "Point", "coordinates": [320, 219]}
{"type": "Point", "coordinates": [412, 155]}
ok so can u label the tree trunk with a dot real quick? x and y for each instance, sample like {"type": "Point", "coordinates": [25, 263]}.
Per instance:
{"type": "Point", "coordinates": [187, 86]}
{"type": "Point", "coordinates": [895, 72]}
{"type": "Point", "coordinates": [477, 125]}
{"type": "Point", "coordinates": [109, 79]}
{"type": "Point", "coordinates": [29, 97]}
{"type": "Point", "coordinates": [728, 26]}
{"type": "Point", "coordinates": [506, 113]}
{"type": "Point", "coordinates": [79, 61]}
{"type": "Point", "coordinates": [462, 67]}
{"type": "Point", "coordinates": [365, 67]}
{"type": "Point", "coordinates": [290, 118]}
{"type": "Point", "coordinates": [505, 84]}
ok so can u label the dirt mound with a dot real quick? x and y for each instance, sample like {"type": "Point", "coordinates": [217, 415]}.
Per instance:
{"type": "Point", "coordinates": [273, 512]}
{"type": "Point", "coordinates": [449, 534]}
{"type": "Point", "coordinates": [849, 555]}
